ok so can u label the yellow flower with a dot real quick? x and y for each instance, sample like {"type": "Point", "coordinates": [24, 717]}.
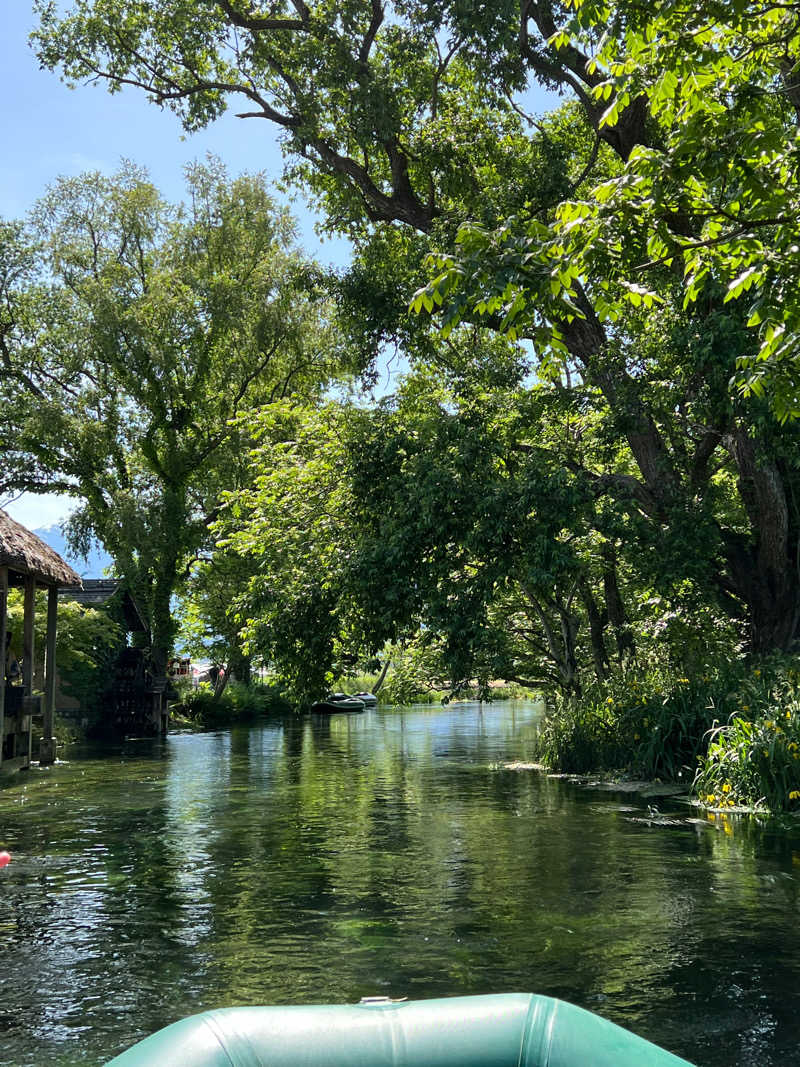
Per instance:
{"type": "Point", "coordinates": [745, 707]}
{"type": "Point", "coordinates": [710, 798]}
{"type": "Point", "coordinates": [788, 714]}
{"type": "Point", "coordinates": [635, 737]}
{"type": "Point", "coordinates": [769, 723]}
{"type": "Point", "coordinates": [794, 794]}
{"type": "Point", "coordinates": [609, 701]}
{"type": "Point", "coordinates": [726, 788]}
{"type": "Point", "coordinates": [757, 672]}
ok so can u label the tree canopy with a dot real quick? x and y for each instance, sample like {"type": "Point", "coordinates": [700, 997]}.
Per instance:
{"type": "Point", "coordinates": [640, 243]}
{"type": "Point", "coordinates": [411, 112]}
{"type": "Point", "coordinates": [134, 332]}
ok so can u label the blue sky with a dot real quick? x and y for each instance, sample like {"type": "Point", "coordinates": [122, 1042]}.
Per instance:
{"type": "Point", "coordinates": [47, 130]}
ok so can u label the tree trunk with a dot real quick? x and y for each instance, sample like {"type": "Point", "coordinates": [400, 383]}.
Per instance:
{"type": "Point", "coordinates": [240, 666]}
{"type": "Point", "coordinates": [596, 627]}
{"type": "Point", "coordinates": [164, 581]}
{"type": "Point", "coordinates": [562, 653]}
{"type": "Point", "coordinates": [221, 681]}
{"type": "Point", "coordinates": [569, 635]}
{"type": "Point", "coordinates": [381, 677]}
{"type": "Point", "coordinates": [615, 606]}
{"type": "Point", "coordinates": [764, 568]}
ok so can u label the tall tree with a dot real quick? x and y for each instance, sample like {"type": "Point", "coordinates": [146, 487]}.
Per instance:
{"type": "Point", "coordinates": [684, 117]}
{"type": "Point", "coordinates": [463, 515]}
{"type": "Point", "coordinates": [293, 529]}
{"type": "Point", "coordinates": [132, 340]}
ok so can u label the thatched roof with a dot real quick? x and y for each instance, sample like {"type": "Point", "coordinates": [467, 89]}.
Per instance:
{"type": "Point", "coordinates": [25, 553]}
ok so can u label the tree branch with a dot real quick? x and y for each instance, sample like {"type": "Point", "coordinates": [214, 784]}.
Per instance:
{"type": "Point", "coordinates": [257, 23]}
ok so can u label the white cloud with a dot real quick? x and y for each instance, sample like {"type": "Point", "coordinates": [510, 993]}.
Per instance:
{"type": "Point", "coordinates": [38, 512]}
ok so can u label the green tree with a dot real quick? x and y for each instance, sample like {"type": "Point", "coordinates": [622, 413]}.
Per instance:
{"type": "Point", "coordinates": [209, 618]}
{"type": "Point", "coordinates": [378, 108]}
{"type": "Point", "coordinates": [293, 526]}
{"type": "Point", "coordinates": [669, 180]}
{"type": "Point", "coordinates": [457, 523]}
{"type": "Point", "coordinates": [88, 642]}
{"type": "Point", "coordinates": [711, 186]}
{"type": "Point", "coordinates": [134, 333]}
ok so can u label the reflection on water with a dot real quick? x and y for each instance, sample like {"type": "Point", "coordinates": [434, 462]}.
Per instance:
{"type": "Point", "coordinates": [390, 852]}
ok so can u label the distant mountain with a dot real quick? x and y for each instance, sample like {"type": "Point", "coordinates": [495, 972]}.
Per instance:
{"type": "Point", "coordinates": [97, 562]}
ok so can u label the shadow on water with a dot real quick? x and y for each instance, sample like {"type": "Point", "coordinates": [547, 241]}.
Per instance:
{"type": "Point", "coordinates": [389, 852]}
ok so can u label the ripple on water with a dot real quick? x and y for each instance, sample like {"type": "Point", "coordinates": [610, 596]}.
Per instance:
{"type": "Point", "coordinates": [388, 853]}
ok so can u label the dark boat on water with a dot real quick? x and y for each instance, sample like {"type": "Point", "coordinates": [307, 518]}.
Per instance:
{"type": "Point", "coordinates": [369, 699]}
{"type": "Point", "coordinates": [337, 702]}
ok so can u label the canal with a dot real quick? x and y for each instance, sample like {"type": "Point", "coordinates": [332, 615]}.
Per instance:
{"type": "Point", "coordinates": [391, 852]}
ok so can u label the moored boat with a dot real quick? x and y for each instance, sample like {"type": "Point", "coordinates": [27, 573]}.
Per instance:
{"type": "Point", "coordinates": [369, 699]}
{"type": "Point", "coordinates": [337, 702]}
{"type": "Point", "coordinates": [498, 1030]}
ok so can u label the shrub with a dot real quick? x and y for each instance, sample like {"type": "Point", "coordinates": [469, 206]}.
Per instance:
{"type": "Point", "coordinates": [88, 642]}
{"type": "Point", "coordinates": [579, 736]}
{"type": "Point", "coordinates": [741, 722]}
{"type": "Point", "coordinates": [238, 703]}
{"type": "Point", "coordinates": [648, 726]}
{"type": "Point", "coordinates": [647, 719]}
{"type": "Point", "coordinates": [753, 760]}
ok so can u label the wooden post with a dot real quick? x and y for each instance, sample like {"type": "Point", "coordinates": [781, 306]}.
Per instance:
{"type": "Point", "coordinates": [3, 630]}
{"type": "Point", "coordinates": [47, 747]}
{"type": "Point", "coordinates": [28, 675]}
{"type": "Point", "coordinates": [27, 635]}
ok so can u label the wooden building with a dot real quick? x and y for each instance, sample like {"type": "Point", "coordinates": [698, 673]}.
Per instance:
{"type": "Point", "coordinates": [134, 705]}
{"type": "Point", "coordinates": [102, 593]}
{"type": "Point", "coordinates": [27, 562]}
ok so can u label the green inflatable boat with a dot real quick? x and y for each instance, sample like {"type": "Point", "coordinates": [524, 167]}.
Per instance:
{"type": "Point", "coordinates": [503, 1030]}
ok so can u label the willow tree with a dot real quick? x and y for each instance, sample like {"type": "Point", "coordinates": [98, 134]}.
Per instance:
{"type": "Point", "coordinates": [134, 332]}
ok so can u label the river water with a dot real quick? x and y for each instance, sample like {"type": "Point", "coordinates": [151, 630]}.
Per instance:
{"type": "Point", "coordinates": [385, 853]}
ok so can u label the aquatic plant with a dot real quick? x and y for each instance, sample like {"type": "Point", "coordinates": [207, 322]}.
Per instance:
{"type": "Point", "coordinates": [645, 719]}
{"type": "Point", "coordinates": [735, 731]}
{"type": "Point", "coordinates": [753, 759]}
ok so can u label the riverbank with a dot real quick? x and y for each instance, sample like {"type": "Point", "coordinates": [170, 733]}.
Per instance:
{"type": "Point", "coordinates": [397, 688]}
{"type": "Point", "coordinates": [732, 734]}
{"type": "Point", "coordinates": [237, 705]}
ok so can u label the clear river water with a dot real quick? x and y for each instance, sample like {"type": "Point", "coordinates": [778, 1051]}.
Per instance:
{"type": "Point", "coordinates": [391, 852]}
